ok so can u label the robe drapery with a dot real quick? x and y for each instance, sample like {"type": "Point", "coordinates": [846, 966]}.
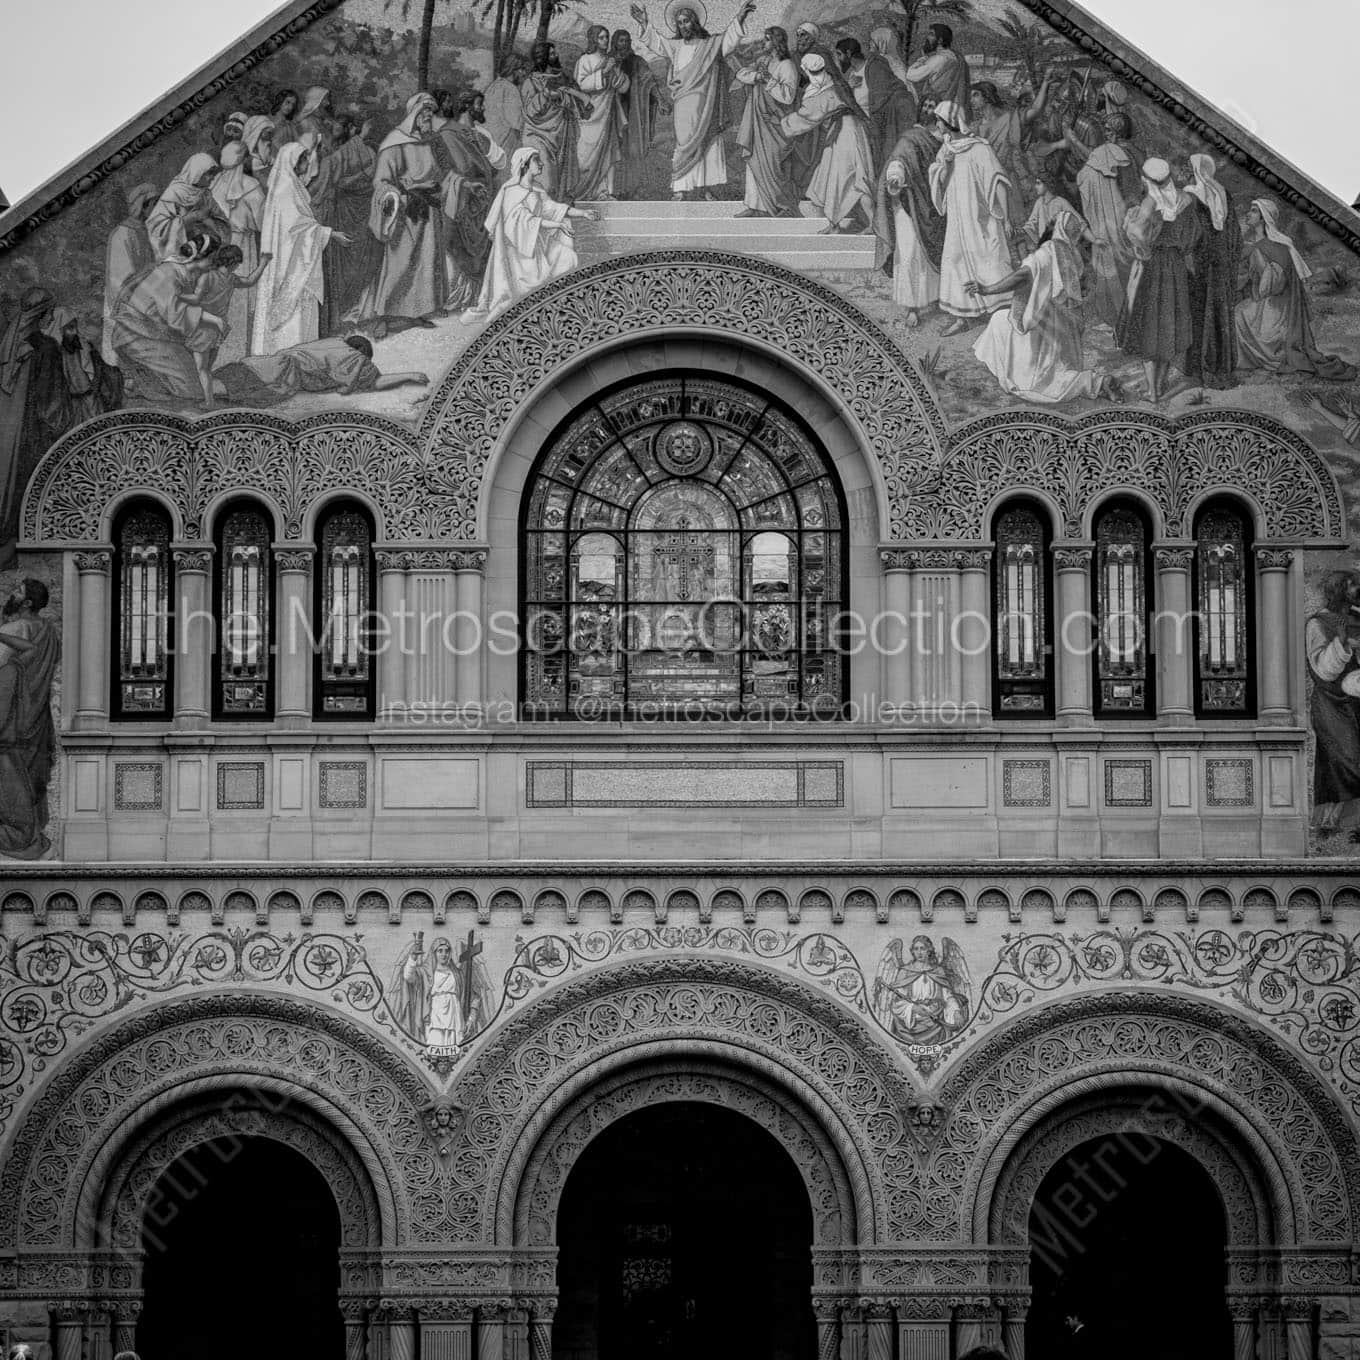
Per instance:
{"type": "Point", "coordinates": [358, 262]}
{"type": "Point", "coordinates": [698, 88]}
{"type": "Point", "coordinates": [1334, 708]}
{"type": "Point", "coordinates": [1034, 348]}
{"type": "Point", "coordinates": [842, 183]}
{"type": "Point", "coordinates": [181, 206]}
{"type": "Point", "coordinates": [27, 736]}
{"type": "Point", "coordinates": [411, 282]}
{"type": "Point", "coordinates": [288, 303]}
{"type": "Point", "coordinates": [240, 199]}
{"type": "Point", "coordinates": [1275, 322]}
{"type": "Point", "coordinates": [329, 365]}
{"type": "Point", "coordinates": [909, 227]}
{"type": "Point", "coordinates": [1213, 299]}
{"type": "Point", "coordinates": [467, 196]}
{"type": "Point", "coordinates": [154, 331]}
{"type": "Point", "coordinates": [599, 133]}
{"type": "Point", "coordinates": [641, 103]}
{"type": "Point", "coordinates": [1156, 325]}
{"type": "Point", "coordinates": [943, 76]}
{"type": "Point", "coordinates": [87, 386]}
{"type": "Point", "coordinates": [888, 101]}
{"type": "Point", "coordinates": [30, 378]}
{"type": "Point", "coordinates": [1101, 182]}
{"type": "Point", "coordinates": [550, 126]}
{"type": "Point", "coordinates": [772, 95]}
{"type": "Point", "coordinates": [504, 107]}
{"type": "Point", "coordinates": [128, 254]}
{"type": "Point", "coordinates": [969, 187]}
{"type": "Point", "coordinates": [530, 243]}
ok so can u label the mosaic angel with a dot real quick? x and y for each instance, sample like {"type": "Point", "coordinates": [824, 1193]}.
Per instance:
{"type": "Point", "coordinates": [923, 999]}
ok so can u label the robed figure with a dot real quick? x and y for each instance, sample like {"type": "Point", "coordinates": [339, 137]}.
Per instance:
{"type": "Point", "coordinates": [29, 649]}
{"type": "Point", "coordinates": [698, 89]}
{"type": "Point", "coordinates": [600, 131]}
{"type": "Point", "coordinates": [641, 105]}
{"type": "Point", "coordinates": [910, 228]}
{"type": "Point", "coordinates": [772, 94]}
{"type": "Point", "coordinates": [439, 998]}
{"type": "Point", "coordinates": [1213, 281]}
{"type": "Point", "coordinates": [128, 254]}
{"type": "Point", "coordinates": [841, 187]}
{"type": "Point", "coordinates": [407, 217]}
{"type": "Point", "coordinates": [922, 999]}
{"type": "Point", "coordinates": [1331, 640]}
{"type": "Point", "coordinates": [470, 160]}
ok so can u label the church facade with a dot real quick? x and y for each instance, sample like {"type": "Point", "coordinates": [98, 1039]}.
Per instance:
{"type": "Point", "coordinates": [710, 802]}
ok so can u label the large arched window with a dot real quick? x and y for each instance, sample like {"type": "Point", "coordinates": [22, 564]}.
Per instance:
{"type": "Point", "coordinates": [1224, 610]}
{"type": "Point", "coordinates": [1023, 613]}
{"type": "Point", "coordinates": [1123, 596]}
{"type": "Point", "coordinates": [243, 607]}
{"type": "Point", "coordinates": [684, 556]}
{"type": "Point", "coordinates": [143, 679]}
{"type": "Point", "coordinates": [345, 684]}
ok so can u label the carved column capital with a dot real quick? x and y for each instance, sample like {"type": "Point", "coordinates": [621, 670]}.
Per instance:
{"type": "Point", "coordinates": [1274, 559]}
{"type": "Point", "coordinates": [389, 559]}
{"type": "Point", "coordinates": [193, 559]}
{"type": "Point", "coordinates": [1072, 559]}
{"type": "Point", "coordinates": [96, 562]}
{"type": "Point", "coordinates": [895, 559]}
{"type": "Point", "coordinates": [972, 559]}
{"type": "Point", "coordinates": [1174, 559]}
{"type": "Point", "coordinates": [470, 559]}
{"type": "Point", "coordinates": [294, 559]}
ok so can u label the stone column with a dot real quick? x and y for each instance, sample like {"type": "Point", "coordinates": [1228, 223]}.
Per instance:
{"type": "Point", "coordinates": [125, 1315]}
{"type": "Point", "coordinates": [69, 1320]}
{"type": "Point", "coordinates": [92, 681]}
{"type": "Point", "coordinates": [828, 1318]}
{"type": "Point", "coordinates": [973, 631]}
{"type": "Point", "coordinates": [878, 1329]}
{"type": "Point", "coordinates": [1013, 1329]}
{"type": "Point", "coordinates": [517, 1334]}
{"type": "Point", "coordinates": [852, 1332]}
{"type": "Point", "coordinates": [540, 1335]}
{"type": "Point", "coordinates": [1244, 1331]}
{"type": "Point", "coordinates": [355, 1315]}
{"type": "Point", "coordinates": [969, 1325]}
{"type": "Point", "coordinates": [445, 1329]}
{"type": "Point", "coordinates": [1298, 1325]}
{"type": "Point", "coordinates": [1273, 566]}
{"type": "Point", "coordinates": [1072, 633]}
{"type": "Point", "coordinates": [193, 634]}
{"type": "Point", "coordinates": [469, 639]}
{"type": "Point", "coordinates": [294, 629]}
{"type": "Point", "coordinates": [392, 603]}
{"type": "Point", "coordinates": [922, 1329]}
{"type": "Point", "coordinates": [894, 634]}
{"type": "Point", "coordinates": [97, 1334]}
{"type": "Point", "coordinates": [1175, 638]}
{"type": "Point", "coordinates": [491, 1329]}
{"type": "Point", "coordinates": [401, 1331]}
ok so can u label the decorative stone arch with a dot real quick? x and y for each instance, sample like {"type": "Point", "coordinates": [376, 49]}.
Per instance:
{"type": "Point", "coordinates": [767, 310]}
{"type": "Point", "coordinates": [1173, 463]}
{"type": "Point", "coordinates": [1300, 1149]}
{"type": "Point", "coordinates": [115, 1091]}
{"type": "Point", "coordinates": [692, 1018]}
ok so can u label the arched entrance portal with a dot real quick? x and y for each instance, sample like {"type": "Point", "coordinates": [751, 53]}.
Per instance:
{"type": "Point", "coordinates": [1127, 1256]}
{"type": "Point", "coordinates": [684, 1230]}
{"type": "Point", "coordinates": [242, 1239]}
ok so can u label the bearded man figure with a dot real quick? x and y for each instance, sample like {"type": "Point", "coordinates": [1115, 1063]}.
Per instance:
{"type": "Point", "coordinates": [641, 104]}
{"type": "Point", "coordinates": [698, 88]}
{"type": "Point", "coordinates": [600, 132]}
{"type": "Point", "coordinates": [552, 110]}
{"type": "Point", "coordinates": [470, 160]}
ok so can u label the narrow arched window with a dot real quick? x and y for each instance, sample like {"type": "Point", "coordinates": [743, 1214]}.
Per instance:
{"type": "Point", "coordinates": [1022, 631]}
{"type": "Point", "coordinates": [1124, 680]}
{"type": "Point", "coordinates": [243, 608]}
{"type": "Point", "coordinates": [345, 672]}
{"type": "Point", "coordinates": [141, 599]}
{"type": "Point", "coordinates": [1223, 578]}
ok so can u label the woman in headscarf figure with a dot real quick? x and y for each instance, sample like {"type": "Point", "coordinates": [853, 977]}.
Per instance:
{"type": "Point", "coordinates": [1034, 347]}
{"type": "Point", "coordinates": [240, 199]}
{"type": "Point", "coordinates": [530, 238]}
{"type": "Point", "coordinates": [288, 307]}
{"type": "Point", "coordinates": [1157, 324]}
{"type": "Point", "coordinates": [185, 207]}
{"type": "Point", "coordinates": [1275, 322]}
{"type": "Point", "coordinates": [128, 254]}
{"type": "Point", "coordinates": [1213, 284]}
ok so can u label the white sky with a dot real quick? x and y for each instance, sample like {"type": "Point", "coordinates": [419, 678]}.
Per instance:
{"type": "Point", "coordinates": [73, 70]}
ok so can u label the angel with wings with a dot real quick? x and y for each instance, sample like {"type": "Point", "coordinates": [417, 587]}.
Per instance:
{"type": "Point", "coordinates": [922, 1000]}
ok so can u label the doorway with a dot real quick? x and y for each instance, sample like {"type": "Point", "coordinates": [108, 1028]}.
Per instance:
{"type": "Point", "coordinates": [242, 1241]}
{"type": "Point", "coordinates": [684, 1231]}
{"type": "Point", "coordinates": [1128, 1242]}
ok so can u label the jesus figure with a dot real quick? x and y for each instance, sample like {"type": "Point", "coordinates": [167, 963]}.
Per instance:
{"type": "Point", "coordinates": [698, 86]}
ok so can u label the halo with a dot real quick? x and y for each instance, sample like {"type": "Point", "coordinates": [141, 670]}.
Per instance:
{"type": "Point", "coordinates": [675, 5]}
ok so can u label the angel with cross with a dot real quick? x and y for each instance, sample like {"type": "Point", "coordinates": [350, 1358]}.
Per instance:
{"type": "Point", "coordinates": [437, 999]}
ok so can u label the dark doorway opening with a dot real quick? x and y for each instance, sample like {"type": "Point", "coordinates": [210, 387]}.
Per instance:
{"type": "Point", "coordinates": [684, 1233]}
{"type": "Point", "coordinates": [1127, 1256]}
{"type": "Point", "coordinates": [242, 1241]}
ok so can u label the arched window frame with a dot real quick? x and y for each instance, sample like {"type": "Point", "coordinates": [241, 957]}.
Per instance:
{"type": "Point", "coordinates": [244, 674]}
{"type": "Point", "coordinates": [344, 676]}
{"type": "Point", "coordinates": [1023, 682]}
{"type": "Point", "coordinates": [821, 552]}
{"type": "Point", "coordinates": [1225, 640]}
{"type": "Point", "coordinates": [143, 656]}
{"type": "Point", "coordinates": [1123, 655]}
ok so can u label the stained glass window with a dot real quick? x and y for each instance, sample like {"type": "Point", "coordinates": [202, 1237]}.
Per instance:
{"type": "Point", "coordinates": [1022, 649]}
{"type": "Point", "coordinates": [344, 582]}
{"type": "Point", "coordinates": [245, 582]}
{"type": "Point", "coordinates": [1122, 631]}
{"type": "Point", "coordinates": [1223, 582]}
{"type": "Point", "coordinates": [142, 601]}
{"type": "Point", "coordinates": [683, 557]}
